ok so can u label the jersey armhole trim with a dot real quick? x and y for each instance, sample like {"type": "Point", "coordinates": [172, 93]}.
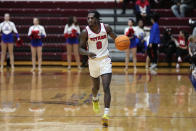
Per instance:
{"type": "Point", "coordinates": [87, 32]}
{"type": "Point", "coordinates": [105, 28]}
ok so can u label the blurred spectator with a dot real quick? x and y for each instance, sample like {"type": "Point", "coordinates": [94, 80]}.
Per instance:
{"type": "Point", "coordinates": [181, 50]}
{"type": "Point", "coordinates": [147, 38]}
{"type": "Point", "coordinates": [181, 6]}
{"type": "Point", "coordinates": [129, 31]}
{"type": "Point", "coordinates": [192, 23]}
{"type": "Point", "coordinates": [169, 46]}
{"type": "Point", "coordinates": [192, 52]}
{"type": "Point", "coordinates": [71, 34]}
{"type": "Point", "coordinates": [139, 32]}
{"type": "Point", "coordinates": [124, 5]}
{"type": "Point", "coordinates": [142, 10]}
{"type": "Point", "coordinates": [36, 33]}
{"type": "Point", "coordinates": [154, 41]}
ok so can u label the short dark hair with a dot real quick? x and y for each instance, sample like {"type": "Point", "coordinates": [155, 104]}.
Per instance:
{"type": "Point", "coordinates": [131, 19]}
{"type": "Point", "coordinates": [70, 21]}
{"type": "Point", "coordinates": [182, 31]}
{"type": "Point", "coordinates": [140, 20]}
{"type": "Point", "coordinates": [155, 17]}
{"type": "Point", "coordinates": [96, 14]}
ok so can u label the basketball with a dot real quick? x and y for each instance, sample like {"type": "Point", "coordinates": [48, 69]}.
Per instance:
{"type": "Point", "coordinates": [122, 42]}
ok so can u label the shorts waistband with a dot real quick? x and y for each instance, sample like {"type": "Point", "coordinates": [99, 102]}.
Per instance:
{"type": "Point", "coordinates": [99, 58]}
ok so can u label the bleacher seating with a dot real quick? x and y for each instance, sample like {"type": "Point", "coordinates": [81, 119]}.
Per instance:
{"type": "Point", "coordinates": [54, 15]}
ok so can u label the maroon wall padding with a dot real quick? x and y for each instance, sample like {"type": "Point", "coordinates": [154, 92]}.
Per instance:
{"type": "Point", "coordinates": [62, 5]}
{"type": "Point", "coordinates": [54, 16]}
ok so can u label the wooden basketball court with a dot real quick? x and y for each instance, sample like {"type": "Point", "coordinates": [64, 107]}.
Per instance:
{"type": "Point", "coordinates": [60, 100]}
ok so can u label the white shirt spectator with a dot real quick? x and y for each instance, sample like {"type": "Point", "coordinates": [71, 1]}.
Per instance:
{"type": "Point", "coordinates": [68, 29]}
{"type": "Point", "coordinates": [8, 27]}
{"type": "Point", "coordinates": [147, 34]}
{"type": "Point", "coordinates": [39, 28]}
{"type": "Point", "coordinates": [139, 32]}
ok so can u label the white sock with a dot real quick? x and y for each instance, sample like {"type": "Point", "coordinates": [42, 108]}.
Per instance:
{"type": "Point", "coordinates": [106, 111]}
{"type": "Point", "coordinates": [96, 98]}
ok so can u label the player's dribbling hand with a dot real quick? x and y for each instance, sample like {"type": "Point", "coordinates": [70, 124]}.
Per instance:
{"type": "Point", "coordinates": [92, 55]}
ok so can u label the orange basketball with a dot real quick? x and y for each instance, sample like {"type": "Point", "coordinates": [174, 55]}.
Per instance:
{"type": "Point", "coordinates": [122, 42]}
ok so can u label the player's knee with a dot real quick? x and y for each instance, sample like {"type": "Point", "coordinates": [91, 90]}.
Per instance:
{"type": "Point", "coordinates": [106, 89]}
{"type": "Point", "coordinates": [11, 53]}
{"type": "Point", "coordinates": [3, 52]}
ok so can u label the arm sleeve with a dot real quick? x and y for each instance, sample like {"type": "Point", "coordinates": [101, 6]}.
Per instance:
{"type": "Point", "coordinates": [148, 9]}
{"type": "Point", "coordinates": [66, 29]}
{"type": "Point", "coordinates": [30, 30]}
{"type": "Point", "coordinates": [78, 29]}
{"type": "Point", "coordinates": [14, 28]}
{"type": "Point", "coordinates": [189, 45]}
{"type": "Point", "coordinates": [43, 33]}
{"type": "Point", "coordinates": [194, 32]}
{"type": "Point", "coordinates": [0, 27]}
{"type": "Point", "coordinates": [125, 31]}
{"type": "Point", "coordinates": [137, 8]}
{"type": "Point", "coordinates": [152, 34]}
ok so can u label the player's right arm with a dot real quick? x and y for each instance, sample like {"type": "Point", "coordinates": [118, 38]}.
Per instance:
{"type": "Point", "coordinates": [30, 31]}
{"type": "Point", "coordinates": [0, 27]}
{"type": "Point", "coordinates": [83, 46]}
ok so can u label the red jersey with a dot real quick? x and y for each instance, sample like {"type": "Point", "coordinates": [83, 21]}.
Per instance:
{"type": "Point", "coordinates": [181, 41]}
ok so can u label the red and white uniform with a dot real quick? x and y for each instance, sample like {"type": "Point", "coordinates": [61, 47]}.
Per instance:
{"type": "Point", "coordinates": [98, 44]}
{"type": "Point", "coordinates": [38, 28]}
{"type": "Point", "coordinates": [129, 31]}
{"type": "Point", "coordinates": [68, 29]}
{"type": "Point", "coordinates": [181, 41]}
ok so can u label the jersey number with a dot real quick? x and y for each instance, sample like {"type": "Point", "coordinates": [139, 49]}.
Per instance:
{"type": "Point", "coordinates": [99, 44]}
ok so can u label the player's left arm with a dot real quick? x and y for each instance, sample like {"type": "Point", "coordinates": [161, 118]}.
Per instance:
{"type": "Point", "coordinates": [0, 27]}
{"type": "Point", "coordinates": [43, 34]}
{"type": "Point", "coordinates": [15, 30]}
{"type": "Point", "coordinates": [110, 32]}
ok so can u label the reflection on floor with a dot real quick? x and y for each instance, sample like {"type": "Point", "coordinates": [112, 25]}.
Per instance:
{"type": "Point", "coordinates": [60, 100]}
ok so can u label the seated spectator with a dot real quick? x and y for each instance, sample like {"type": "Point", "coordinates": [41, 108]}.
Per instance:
{"type": "Point", "coordinates": [168, 45]}
{"type": "Point", "coordinates": [142, 10]}
{"type": "Point", "coordinates": [139, 32]}
{"type": "Point", "coordinates": [181, 50]}
{"type": "Point", "coordinates": [124, 5]}
{"type": "Point", "coordinates": [192, 52]}
{"type": "Point", "coordinates": [181, 6]}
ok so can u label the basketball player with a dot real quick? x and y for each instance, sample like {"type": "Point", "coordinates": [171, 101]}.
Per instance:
{"type": "Point", "coordinates": [96, 37]}
{"type": "Point", "coordinates": [7, 28]}
{"type": "Point", "coordinates": [36, 33]}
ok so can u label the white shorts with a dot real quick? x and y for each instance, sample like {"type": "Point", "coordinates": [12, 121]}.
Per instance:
{"type": "Point", "coordinates": [99, 66]}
